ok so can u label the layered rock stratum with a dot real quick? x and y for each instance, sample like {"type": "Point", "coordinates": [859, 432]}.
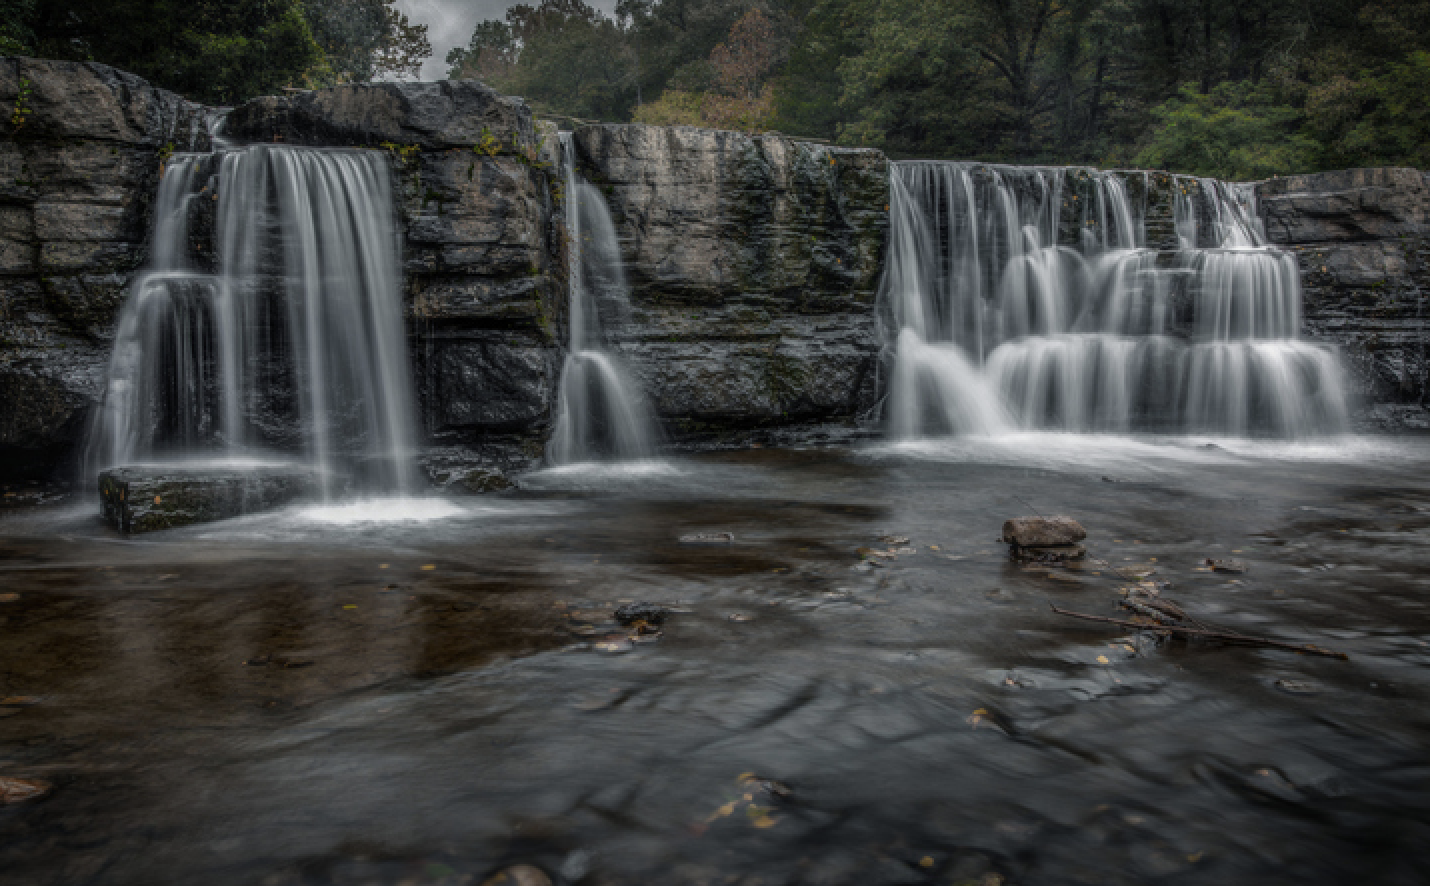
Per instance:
{"type": "Point", "coordinates": [753, 262]}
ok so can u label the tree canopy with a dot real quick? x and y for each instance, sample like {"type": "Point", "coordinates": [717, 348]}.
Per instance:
{"type": "Point", "coordinates": [1234, 88]}
{"type": "Point", "coordinates": [222, 51]}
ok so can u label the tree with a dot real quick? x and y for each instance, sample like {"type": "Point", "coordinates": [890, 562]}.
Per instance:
{"type": "Point", "coordinates": [1234, 132]}
{"type": "Point", "coordinates": [743, 97]}
{"type": "Point", "coordinates": [365, 39]}
{"type": "Point", "coordinates": [17, 36]}
{"type": "Point", "coordinates": [564, 56]}
{"type": "Point", "coordinates": [216, 51]}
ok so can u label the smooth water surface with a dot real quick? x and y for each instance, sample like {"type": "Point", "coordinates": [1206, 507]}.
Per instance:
{"type": "Point", "coordinates": [293, 698]}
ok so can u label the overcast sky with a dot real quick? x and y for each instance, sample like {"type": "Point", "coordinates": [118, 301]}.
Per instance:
{"type": "Point", "coordinates": [450, 23]}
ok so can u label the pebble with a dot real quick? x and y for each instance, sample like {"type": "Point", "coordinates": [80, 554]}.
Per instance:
{"type": "Point", "coordinates": [708, 538]}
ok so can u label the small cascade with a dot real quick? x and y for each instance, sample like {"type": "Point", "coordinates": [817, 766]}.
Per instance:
{"type": "Point", "coordinates": [600, 414]}
{"type": "Point", "coordinates": [1028, 298]}
{"type": "Point", "coordinates": [295, 341]}
{"type": "Point", "coordinates": [159, 398]}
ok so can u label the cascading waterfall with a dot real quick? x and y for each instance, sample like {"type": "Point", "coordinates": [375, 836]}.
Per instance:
{"type": "Point", "coordinates": [296, 343]}
{"type": "Point", "coordinates": [1027, 298]}
{"type": "Point", "coordinates": [599, 412]}
{"type": "Point", "coordinates": [158, 398]}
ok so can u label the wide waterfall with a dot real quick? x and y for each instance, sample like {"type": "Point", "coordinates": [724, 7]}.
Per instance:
{"type": "Point", "coordinates": [600, 414]}
{"type": "Point", "coordinates": [1028, 298]}
{"type": "Point", "coordinates": [294, 342]}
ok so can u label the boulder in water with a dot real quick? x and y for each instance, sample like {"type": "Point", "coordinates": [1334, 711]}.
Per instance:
{"type": "Point", "coordinates": [144, 499]}
{"type": "Point", "coordinates": [1037, 532]}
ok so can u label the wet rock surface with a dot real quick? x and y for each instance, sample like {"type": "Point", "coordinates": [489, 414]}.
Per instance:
{"type": "Point", "coordinates": [1031, 532]}
{"type": "Point", "coordinates": [138, 499]}
{"type": "Point", "coordinates": [484, 293]}
{"type": "Point", "coordinates": [452, 716]}
{"type": "Point", "coordinates": [753, 264]}
{"type": "Point", "coordinates": [1362, 238]}
{"type": "Point", "coordinates": [77, 177]}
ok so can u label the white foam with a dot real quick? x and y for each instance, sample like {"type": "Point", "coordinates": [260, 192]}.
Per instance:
{"type": "Point", "coordinates": [1103, 451]}
{"type": "Point", "coordinates": [383, 510]}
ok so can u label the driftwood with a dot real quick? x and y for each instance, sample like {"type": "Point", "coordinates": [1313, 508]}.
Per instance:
{"type": "Point", "coordinates": [1307, 649]}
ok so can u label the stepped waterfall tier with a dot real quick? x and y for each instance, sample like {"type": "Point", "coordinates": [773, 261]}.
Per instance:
{"type": "Point", "coordinates": [294, 342]}
{"type": "Point", "coordinates": [1028, 298]}
{"type": "Point", "coordinates": [600, 414]}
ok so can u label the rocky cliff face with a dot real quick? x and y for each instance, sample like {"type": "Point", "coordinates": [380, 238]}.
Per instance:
{"type": "Point", "coordinates": [80, 157]}
{"type": "Point", "coordinates": [754, 264]}
{"type": "Point", "coordinates": [1361, 238]}
{"type": "Point", "coordinates": [484, 296]}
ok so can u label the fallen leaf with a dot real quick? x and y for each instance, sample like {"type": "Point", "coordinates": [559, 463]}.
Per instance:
{"type": "Point", "coordinates": [18, 790]}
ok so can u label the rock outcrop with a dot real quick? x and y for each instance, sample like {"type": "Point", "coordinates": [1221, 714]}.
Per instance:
{"type": "Point", "coordinates": [484, 298]}
{"type": "Point", "coordinates": [753, 261]}
{"type": "Point", "coordinates": [135, 500]}
{"type": "Point", "coordinates": [80, 157]}
{"type": "Point", "coordinates": [754, 264]}
{"type": "Point", "coordinates": [1360, 236]}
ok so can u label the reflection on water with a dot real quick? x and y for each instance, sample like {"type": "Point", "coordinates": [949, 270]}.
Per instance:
{"type": "Point", "coordinates": [288, 700]}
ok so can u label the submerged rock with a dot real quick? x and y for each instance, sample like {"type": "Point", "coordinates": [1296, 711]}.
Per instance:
{"type": "Point", "coordinates": [138, 499]}
{"type": "Point", "coordinates": [649, 613]}
{"type": "Point", "coordinates": [1032, 532]}
{"type": "Point", "coordinates": [1234, 567]}
{"type": "Point", "coordinates": [708, 538]}
{"type": "Point", "coordinates": [1048, 553]}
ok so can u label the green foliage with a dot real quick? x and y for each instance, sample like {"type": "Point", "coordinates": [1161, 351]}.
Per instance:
{"type": "Point", "coordinates": [224, 51]}
{"type": "Point", "coordinates": [364, 39]}
{"type": "Point", "coordinates": [675, 107]}
{"type": "Point", "coordinates": [17, 35]}
{"type": "Point", "coordinates": [21, 112]}
{"type": "Point", "coordinates": [562, 55]}
{"type": "Point", "coordinates": [1237, 88]}
{"type": "Point", "coordinates": [487, 145]}
{"type": "Point", "coordinates": [1235, 132]}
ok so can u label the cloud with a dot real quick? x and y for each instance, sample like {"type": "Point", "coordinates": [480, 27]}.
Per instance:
{"type": "Point", "coordinates": [451, 22]}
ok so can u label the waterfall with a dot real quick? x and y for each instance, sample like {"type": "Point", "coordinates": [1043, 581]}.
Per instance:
{"type": "Point", "coordinates": [157, 398]}
{"type": "Point", "coordinates": [599, 413]}
{"type": "Point", "coordinates": [297, 342]}
{"type": "Point", "coordinates": [1027, 298]}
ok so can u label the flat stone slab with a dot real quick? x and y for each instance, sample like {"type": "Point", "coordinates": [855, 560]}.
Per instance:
{"type": "Point", "coordinates": [148, 498]}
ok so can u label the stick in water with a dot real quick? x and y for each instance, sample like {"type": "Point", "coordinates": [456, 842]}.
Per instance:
{"type": "Point", "coordinates": [1211, 635]}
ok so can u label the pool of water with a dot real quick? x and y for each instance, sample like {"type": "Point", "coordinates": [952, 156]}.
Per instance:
{"type": "Point", "coordinates": [424, 692]}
